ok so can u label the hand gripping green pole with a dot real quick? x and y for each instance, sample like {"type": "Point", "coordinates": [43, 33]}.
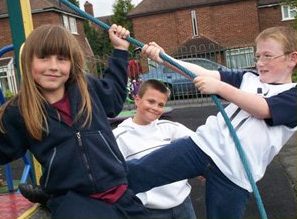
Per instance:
{"type": "Point", "coordinates": [219, 105]}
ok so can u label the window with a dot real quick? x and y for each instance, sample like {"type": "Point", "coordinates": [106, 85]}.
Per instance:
{"type": "Point", "coordinates": [240, 58]}
{"type": "Point", "coordinates": [288, 12]}
{"type": "Point", "coordinates": [194, 23]}
{"type": "Point", "coordinates": [7, 76]}
{"type": "Point", "coordinates": [66, 22]}
{"type": "Point", "coordinates": [70, 24]}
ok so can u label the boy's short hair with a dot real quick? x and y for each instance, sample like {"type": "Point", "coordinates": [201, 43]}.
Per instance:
{"type": "Point", "coordinates": [155, 84]}
{"type": "Point", "coordinates": [286, 36]}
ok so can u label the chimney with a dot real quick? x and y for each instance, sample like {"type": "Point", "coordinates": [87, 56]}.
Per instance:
{"type": "Point", "coordinates": [89, 8]}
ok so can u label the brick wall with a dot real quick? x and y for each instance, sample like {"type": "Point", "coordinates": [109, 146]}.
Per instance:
{"type": "Point", "coordinates": [231, 25]}
{"type": "Point", "coordinates": [162, 28]}
{"type": "Point", "coordinates": [5, 35]}
{"type": "Point", "coordinates": [272, 16]}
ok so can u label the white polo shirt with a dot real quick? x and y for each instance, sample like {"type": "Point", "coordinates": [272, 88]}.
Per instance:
{"type": "Point", "coordinates": [261, 140]}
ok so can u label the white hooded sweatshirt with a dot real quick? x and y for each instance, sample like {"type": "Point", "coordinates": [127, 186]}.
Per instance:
{"type": "Point", "coordinates": [135, 141]}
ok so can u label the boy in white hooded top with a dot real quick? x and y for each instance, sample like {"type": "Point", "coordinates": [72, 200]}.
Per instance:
{"type": "Point", "coordinates": [145, 133]}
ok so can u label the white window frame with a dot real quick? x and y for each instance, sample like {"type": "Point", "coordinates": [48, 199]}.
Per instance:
{"type": "Point", "coordinates": [73, 25]}
{"type": "Point", "coordinates": [66, 22]}
{"type": "Point", "coordinates": [70, 23]}
{"type": "Point", "coordinates": [240, 57]}
{"type": "Point", "coordinates": [288, 12]}
{"type": "Point", "coordinates": [194, 23]}
{"type": "Point", "coordinates": [7, 77]}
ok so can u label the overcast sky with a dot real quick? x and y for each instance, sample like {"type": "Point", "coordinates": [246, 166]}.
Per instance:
{"type": "Point", "coordinates": [103, 7]}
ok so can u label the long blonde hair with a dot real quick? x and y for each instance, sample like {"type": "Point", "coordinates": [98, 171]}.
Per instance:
{"type": "Point", "coordinates": [43, 41]}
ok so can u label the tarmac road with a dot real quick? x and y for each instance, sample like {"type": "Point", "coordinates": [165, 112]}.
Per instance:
{"type": "Point", "coordinates": [278, 186]}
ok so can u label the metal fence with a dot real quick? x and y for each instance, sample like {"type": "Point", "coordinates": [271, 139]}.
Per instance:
{"type": "Point", "coordinates": [183, 91]}
{"type": "Point", "coordinates": [210, 56]}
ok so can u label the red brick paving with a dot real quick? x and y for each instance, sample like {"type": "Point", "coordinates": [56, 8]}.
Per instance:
{"type": "Point", "coordinates": [13, 205]}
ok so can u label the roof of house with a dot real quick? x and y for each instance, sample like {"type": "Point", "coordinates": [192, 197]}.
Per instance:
{"type": "Point", "coordinates": [147, 7]}
{"type": "Point", "coordinates": [268, 2]}
{"type": "Point", "coordinates": [105, 19]}
{"type": "Point", "coordinates": [37, 5]}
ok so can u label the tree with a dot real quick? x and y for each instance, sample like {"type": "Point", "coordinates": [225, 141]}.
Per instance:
{"type": "Point", "coordinates": [121, 9]}
{"type": "Point", "coordinates": [76, 2]}
{"type": "Point", "coordinates": [290, 2]}
{"type": "Point", "coordinates": [100, 44]}
{"type": "Point", "coordinates": [99, 40]}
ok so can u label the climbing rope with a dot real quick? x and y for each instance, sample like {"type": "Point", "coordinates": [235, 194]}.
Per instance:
{"type": "Point", "coordinates": [215, 99]}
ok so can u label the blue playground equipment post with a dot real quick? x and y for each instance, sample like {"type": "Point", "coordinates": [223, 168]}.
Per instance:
{"type": "Point", "coordinates": [27, 171]}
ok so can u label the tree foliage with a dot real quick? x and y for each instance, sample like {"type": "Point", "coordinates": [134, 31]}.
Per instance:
{"type": "Point", "coordinates": [290, 2]}
{"type": "Point", "coordinates": [295, 76]}
{"type": "Point", "coordinates": [100, 44]}
{"type": "Point", "coordinates": [98, 39]}
{"type": "Point", "coordinates": [76, 2]}
{"type": "Point", "coordinates": [121, 9]}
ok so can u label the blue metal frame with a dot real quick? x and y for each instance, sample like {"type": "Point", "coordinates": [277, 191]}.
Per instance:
{"type": "Point", "coordinates": [27, 171]}
{"type": "Point", "coordinates": [28, 166]}
{"type": "Point", "coordinates": [6, 49]}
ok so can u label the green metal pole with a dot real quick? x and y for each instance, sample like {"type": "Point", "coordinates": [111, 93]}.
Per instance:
{"type": "Point", "coordinates": [17, 31]}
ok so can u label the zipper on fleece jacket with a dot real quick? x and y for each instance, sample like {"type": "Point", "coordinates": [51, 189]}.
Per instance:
{"type": "Point", "coordinates": [85, 159]}
{"type": "Point", "coordinates": [50, 167]}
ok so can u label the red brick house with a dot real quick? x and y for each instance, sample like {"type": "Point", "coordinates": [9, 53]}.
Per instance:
{"type": "Point", "coordinates": [47, 12]}
{"type": "Point", "coordinates": [221, 30]}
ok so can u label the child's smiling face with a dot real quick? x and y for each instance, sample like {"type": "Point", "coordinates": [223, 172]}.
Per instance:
{"type": "Point", "coordinates": [150, 106]}
{"type": "Point", "coordinates": [274, 66]}
{"type": "Point", "coordinates": [51, 73]}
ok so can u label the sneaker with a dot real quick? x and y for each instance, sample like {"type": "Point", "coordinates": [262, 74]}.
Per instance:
{"type": "Point", "coordinates": [34, 194]}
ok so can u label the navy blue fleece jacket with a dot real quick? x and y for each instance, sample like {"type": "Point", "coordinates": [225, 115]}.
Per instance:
{"type": "Point", "coordinates": [86, 160]}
